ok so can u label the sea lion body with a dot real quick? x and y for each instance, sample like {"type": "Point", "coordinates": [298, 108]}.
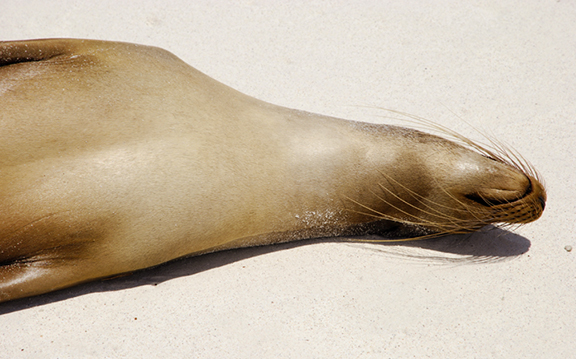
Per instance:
{"type": "Point", "coordinates": [116, 157]}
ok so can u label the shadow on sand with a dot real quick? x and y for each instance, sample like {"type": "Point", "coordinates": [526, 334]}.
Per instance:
{"type": "Point", "coordinates": [489, 245]}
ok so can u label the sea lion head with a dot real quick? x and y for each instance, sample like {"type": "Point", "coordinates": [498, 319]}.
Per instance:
{"type": "Point", "coordinates": [453, 187]}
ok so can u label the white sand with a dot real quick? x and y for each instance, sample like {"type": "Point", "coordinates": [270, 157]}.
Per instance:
{"type": "Point", "coordinates": [507, 67]}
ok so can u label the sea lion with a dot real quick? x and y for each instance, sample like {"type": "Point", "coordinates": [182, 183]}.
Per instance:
{"type": "Point", "coordinates": [116, 157]}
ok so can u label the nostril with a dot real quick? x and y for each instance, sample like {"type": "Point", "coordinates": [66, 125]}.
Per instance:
{"type": "Point", "coordinates": [542, 202]}
{"type": "Point", "coordinates": [478, 199]}
{"type": "Point", "coordinates": [488, 202]}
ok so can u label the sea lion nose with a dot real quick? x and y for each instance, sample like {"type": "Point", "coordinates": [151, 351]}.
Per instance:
{"type": "Point", "coordinates": [542, 201]}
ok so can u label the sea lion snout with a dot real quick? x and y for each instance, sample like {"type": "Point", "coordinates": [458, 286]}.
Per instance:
{"type": "Point", "coordinates": [515, 196]}
{"type": "Point", "coordinates": [468, 190]}
{"type": "Point", "coordinates": [499, 185]}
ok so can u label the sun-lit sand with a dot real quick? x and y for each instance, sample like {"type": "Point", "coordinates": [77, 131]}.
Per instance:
{"type": "Point", "coordinates": [506, 68]}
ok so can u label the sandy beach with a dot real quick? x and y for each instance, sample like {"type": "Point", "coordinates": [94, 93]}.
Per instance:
{"type": "Point", "coordinates": [504, 68]}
